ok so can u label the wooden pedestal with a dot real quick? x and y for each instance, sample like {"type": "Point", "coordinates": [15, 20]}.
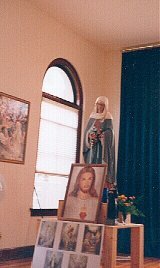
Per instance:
{"type": "Point", "coordinates": [137, 245]}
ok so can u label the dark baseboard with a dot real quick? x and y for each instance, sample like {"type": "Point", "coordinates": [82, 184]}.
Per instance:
{"type": "Point", "coordinates": [7, 254]}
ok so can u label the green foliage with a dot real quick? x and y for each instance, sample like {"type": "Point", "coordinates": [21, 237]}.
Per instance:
{"type": "Point", "coordinates": [129, 205]}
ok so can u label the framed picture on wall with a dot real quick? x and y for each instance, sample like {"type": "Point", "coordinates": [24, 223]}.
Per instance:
{"type": "Point", "coordinates": [14, 114]}
{"type": "Point", "coordinates": [84, 192]}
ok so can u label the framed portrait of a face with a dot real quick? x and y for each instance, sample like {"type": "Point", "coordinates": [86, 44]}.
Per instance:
{"type": "Point", "coordinates": [14, 114]}
{"type": "Point", "coordinates": [84, 192]}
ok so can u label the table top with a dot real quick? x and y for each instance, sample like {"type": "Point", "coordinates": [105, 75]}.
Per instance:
{"type": "Point", "coordinates": [122, 226]}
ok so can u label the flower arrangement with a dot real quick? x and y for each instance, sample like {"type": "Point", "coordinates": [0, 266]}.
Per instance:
{"type": "Point", "coordinates": [95, 135]}
{"type": "Point", "coordinates": [129, 205]}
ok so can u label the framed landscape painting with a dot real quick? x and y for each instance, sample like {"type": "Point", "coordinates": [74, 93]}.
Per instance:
{"type": "Point", "coordinates": [14, 114]}
{"type": "Point", "coordinates": [84, 192]}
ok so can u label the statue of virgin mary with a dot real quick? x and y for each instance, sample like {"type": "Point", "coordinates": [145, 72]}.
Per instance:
{"type": "Point", "coordinates": [99, 140]}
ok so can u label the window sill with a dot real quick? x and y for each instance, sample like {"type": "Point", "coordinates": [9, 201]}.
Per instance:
{"type": "Point", "coordinates": [43, 212]}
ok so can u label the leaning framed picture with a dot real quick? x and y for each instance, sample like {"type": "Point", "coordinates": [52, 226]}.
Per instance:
{"type": "Point", "coordinates": [14, 115]}
{"type": "Point", "coordinates": [84, 192]}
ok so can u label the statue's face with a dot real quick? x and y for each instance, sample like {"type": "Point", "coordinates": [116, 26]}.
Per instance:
{"type": "Point", "coordinates": [85, 182]}
{"type": "Point", "coordinates": [100, 107]}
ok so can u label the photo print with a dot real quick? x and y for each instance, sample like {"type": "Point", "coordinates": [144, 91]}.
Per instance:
{"type": "Point", "coordinates": [47, 234]}
{"type": "Point", "coordinates": [69, 235]}
{"type": "Point", "coordinates": [78, 261]}
{"type": "Point", "coordinates": [53, 259]}
{"type": "Point", "coordinates": [67, 244]}
{"type": "Point", "coordinates": [92, 238]}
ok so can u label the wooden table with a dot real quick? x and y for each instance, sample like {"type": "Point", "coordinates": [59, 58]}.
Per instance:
{"type": "Point", "coordinates": [137, 245]}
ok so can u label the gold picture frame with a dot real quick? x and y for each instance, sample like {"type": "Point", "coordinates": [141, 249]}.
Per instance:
{"type": "Point", "coordinates": [84, 192]}
{"type": "Point", "coordinates": [14, 115]}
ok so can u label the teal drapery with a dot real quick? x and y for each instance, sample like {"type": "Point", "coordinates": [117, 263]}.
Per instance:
{"type": "Point", "coordinates": [138, 165]}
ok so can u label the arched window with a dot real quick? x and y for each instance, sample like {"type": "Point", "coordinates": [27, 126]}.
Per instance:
{"type": "Point", "coordinates": [59, 134]}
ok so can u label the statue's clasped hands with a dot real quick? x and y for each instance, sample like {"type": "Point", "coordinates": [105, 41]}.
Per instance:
{"type": "Point", "coordinates": [95, 136]}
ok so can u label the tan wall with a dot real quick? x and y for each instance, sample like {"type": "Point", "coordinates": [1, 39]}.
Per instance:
{"type": "Point", "coordinates": [112, 88]}
{"type": "Point", "coordinates": [29, 41]}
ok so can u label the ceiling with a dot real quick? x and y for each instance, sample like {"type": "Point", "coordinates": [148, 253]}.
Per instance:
{"type": "Point", "coordinates": [111, 24]}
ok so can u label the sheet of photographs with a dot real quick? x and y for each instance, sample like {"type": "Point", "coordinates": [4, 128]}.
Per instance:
{"type": "Point", "coordinates": [66, 244]}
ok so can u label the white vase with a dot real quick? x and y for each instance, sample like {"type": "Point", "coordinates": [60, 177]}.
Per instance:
{"type": "Point", "coordinates": [121, 219]}
{"type": "Point", "coordinates": [128, 218]}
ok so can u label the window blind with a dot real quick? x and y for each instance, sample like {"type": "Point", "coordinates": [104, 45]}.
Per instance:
{"type": "Point", "coordinates": [56, 152]}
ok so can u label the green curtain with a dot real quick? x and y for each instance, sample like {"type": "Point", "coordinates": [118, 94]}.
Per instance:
{"type": "Point", "coordinates": [138, 165]}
